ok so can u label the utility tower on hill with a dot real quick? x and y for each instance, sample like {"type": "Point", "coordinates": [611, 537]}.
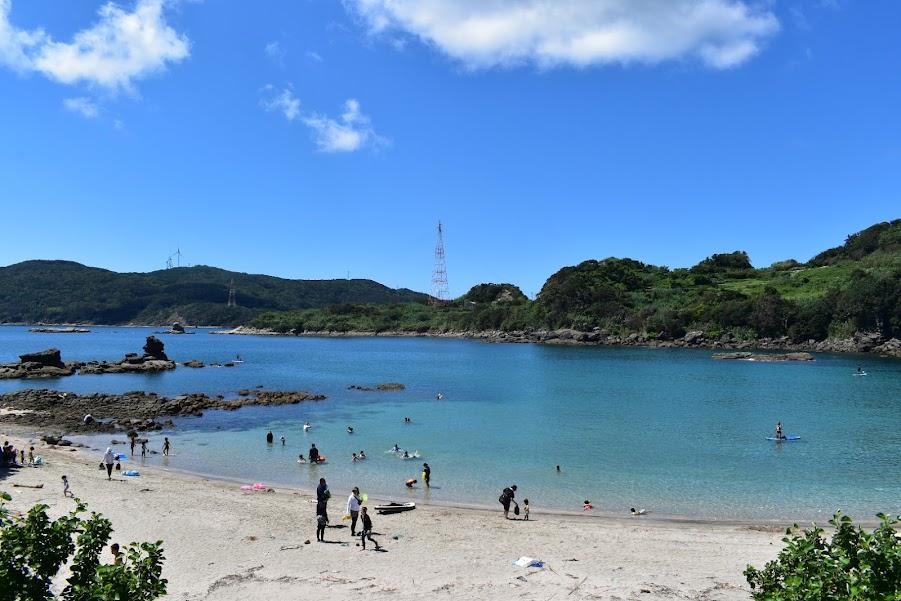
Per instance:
{"type": "Point", "coordinates": [232, 296]}
{"type": "Point", "coordinates": [439, 275]}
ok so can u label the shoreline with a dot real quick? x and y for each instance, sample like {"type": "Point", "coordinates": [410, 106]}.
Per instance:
{"type": "Point", "coordinates": [18, 433]}
{"type": "Point", "coordinates": [864, 343]}
{"type": "Point", "coordinates": [223, 544]}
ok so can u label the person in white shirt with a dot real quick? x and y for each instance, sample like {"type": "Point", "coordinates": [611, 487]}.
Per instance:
{"type": "Point", "coordinates": [353, 508]}
{"type": "Point", "coordinates": [109, 458]}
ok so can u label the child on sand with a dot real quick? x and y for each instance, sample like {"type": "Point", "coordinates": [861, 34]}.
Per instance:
{"type": "Point", "coordinates": [321, 521]}
{"type": "Point", "coordinates": [66, 491]}
{"type": "Point", "coordinates": [366, 532]}
{"type": "Point", "coordinates": [525, 509]}
{"type": "Point", "coordinates": [31, 456]}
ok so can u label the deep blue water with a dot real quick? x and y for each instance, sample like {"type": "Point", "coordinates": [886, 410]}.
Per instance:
{"type": "Point", "coordinates": [670, 430]}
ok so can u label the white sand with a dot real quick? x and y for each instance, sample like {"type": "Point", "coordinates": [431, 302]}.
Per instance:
{"type": "Point", "coordinates": [221, 543]}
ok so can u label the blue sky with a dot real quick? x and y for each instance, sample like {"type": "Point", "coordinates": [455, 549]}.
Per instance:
{"type": "Point", "coordinates": [312, 139]}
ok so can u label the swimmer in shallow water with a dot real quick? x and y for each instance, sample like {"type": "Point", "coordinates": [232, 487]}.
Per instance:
{"type": "Point", "coordinates": [396, 448]}
{"type": "Point", "coordinates": [406, 455]}
{"type": "Point", "coordinates": [300, 459]}
{"type": "Point", "coordinates": [362, 455]}
{"type": "Point", "coordinates": [638, 512]}
{"type": "Point", "coordinates": [350, 429]}
{"type": "Point", "coordinates": [354, 458]}
{"type": "Point", "coordinates": [587, 505]}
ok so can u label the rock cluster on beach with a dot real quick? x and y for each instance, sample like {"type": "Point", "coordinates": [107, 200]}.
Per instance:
{"type": "Point", "coordinates": [140, 411]}
{"type": "Point", "coordinates": [49, 364]}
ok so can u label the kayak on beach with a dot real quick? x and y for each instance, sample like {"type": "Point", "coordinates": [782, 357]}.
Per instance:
{"type": "Point", "coordinates": [395, 507]}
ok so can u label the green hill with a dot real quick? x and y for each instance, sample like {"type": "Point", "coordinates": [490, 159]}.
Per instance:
{"type": "Point", "coordinates": [68, 292]}
{"type": "Point", "coordinates": [853, 287]}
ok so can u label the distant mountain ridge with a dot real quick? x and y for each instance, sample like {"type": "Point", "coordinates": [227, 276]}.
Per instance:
{"type": "Point", "coordinates": [53, 291]}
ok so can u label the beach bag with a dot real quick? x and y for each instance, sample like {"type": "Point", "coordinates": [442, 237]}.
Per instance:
{"type": "Point", "coordinates": [502, 499]}
{"type": "Point", "coordinates": [516, 510]}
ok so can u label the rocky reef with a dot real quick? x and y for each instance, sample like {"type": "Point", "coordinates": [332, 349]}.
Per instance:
{"type": "Point", "coordinates": [139, 411]}
{"type": "Point", "coordinates": [766, 357]}
{"type": "Point", "coordinates": [49, 364]}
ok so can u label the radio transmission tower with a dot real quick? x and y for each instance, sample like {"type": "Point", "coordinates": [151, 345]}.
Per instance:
{"type": "Point", "coordinates": [439, 275]}
{"type": "Point", "coordinates": [232, 297]}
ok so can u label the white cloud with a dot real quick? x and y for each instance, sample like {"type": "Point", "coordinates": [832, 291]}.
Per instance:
{"type": "Point", "coordinates": [83, 106]}
{"type": "Point", "coordinates": [276, 53]}
{"type": "Point", "coordinates": [314, 56]}
{"type": "Point", "coordinates": [118, 49]}
{"type": "Point", "coordinates": [351, 131]}
{"type": "Point", "coordinates": [548, 33]}
{"type": "Point", "coordinates": [284, 102]}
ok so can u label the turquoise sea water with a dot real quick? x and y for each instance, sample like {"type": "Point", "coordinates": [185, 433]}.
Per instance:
{"type": "Point", "coordinates": [670, 430]}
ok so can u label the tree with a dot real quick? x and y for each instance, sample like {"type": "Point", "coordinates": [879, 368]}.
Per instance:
{"type": "Point", "coordinates": [854, 565]}
{"type": "Point", "coordinates": [34, 548]}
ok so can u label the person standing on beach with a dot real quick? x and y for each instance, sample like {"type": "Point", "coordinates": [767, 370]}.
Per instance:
{"type": "Point", "coordinates": [133, 441]}
{"type": "Point", "coordinates": [67, 492]}
{"type": "Point", "coordinates": [166, 446]}
{"type": "Point", "coordinates": [426, 474]}
{"type": "Point", "coordinates": [109, 458]}
{"type": "Point", "coordinates": [322, 496]}
{"type": "Point", "coordinates": [506, 498]}
{"type": "Point", "coordinates": [353, 508]}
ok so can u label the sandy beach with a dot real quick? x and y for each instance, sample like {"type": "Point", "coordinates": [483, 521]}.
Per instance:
{"type": "Point", "coordinates": [222, 543]}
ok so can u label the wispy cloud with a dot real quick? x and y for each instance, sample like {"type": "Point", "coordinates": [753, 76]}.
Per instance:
{"type": "Point", "coordinates": [276, 53]}
{"type": "Point", "coordinates": [82, 106]}
{"type": "Point", "coordinates": [549, 33]}
{"type": "Point", "coordinates": [283, 101]}
{"type": "Point", "coordinates": [351, 131]}
{"type": "Point", "coordinates": [121, 47]}
{"type": "Point", "coordinates": [315, 56]}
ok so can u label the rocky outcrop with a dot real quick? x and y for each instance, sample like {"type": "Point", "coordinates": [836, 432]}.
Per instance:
{"type": "Point", "coordinates": [49, 358]}
{"type": "Point", "coordinates": [889, 348]}
{"type": "Point", "coordinates": [195, 363]}
{"type": "Point", "coordinates": [133, 411]}
{"type": "Point", "coordinates": [391, 386]}
{"type": "Point", "coordinates": [42, 364]}
{"type": "Point", "coordinates": [767, 357]}
{"type": "Point", "coordinates": [72, 330]}
{"type": "Point", "coordinates": [153, 348]}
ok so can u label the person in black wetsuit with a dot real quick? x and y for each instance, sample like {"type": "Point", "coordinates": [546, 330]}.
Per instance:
{"type": "Point", "coordinates": [322, 496]}
{"type": "Point", "coordinates": [314, 454]}
{"type": "Point", "coordinates": [426, 474]}
{"type": "Point", "coordinates": [269, 437]}
{"type": "Point", "coordinates": [506, 498]}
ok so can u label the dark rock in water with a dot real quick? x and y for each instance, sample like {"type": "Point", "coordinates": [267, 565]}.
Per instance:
{"type": "Point", "coordinates": [177, 327]}
{"type": "Point", "coordinates": [154, 347]}
{"type": "Point", "coordinates": [391, 386]}
{"type": "Point", "coordinates": [768, 357]}
{"type": "Point", "coordinates": [195, 363]}
{"type": "Point", "coordinates": [130, 412]}
{"type": "Point", "coordinates": [228, 364]}
{"type": "Point", "coordinates": [358, 387]}
{"type": "Point", "coordinates": [49, 358]}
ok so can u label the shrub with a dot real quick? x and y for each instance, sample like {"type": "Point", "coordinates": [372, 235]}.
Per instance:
{"type": "Point", "coordinates": [33, 548]}
{"type": "Point", "coordinates": [854, 565]}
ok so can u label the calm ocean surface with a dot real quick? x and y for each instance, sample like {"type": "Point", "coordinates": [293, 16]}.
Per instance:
{"type": "Point", "coordinates": [669, 430]}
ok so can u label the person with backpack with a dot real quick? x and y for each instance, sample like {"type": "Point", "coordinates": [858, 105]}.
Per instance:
{"type": "Point", "coordinates": [506, 499]}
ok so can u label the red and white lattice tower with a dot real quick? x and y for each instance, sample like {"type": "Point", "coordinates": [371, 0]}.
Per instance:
{"type": "Point", "coordinates": [439, 275]}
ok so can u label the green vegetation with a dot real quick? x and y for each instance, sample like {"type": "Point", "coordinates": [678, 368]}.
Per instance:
{"type": "Point", "coordinates": [854, 287]}
{"type": "Point", "coordinates": [854, 565]}
{"type": "Point", "coordinates": [34, 548]}
{"type": "Point", "coordinates": [67, 292]}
